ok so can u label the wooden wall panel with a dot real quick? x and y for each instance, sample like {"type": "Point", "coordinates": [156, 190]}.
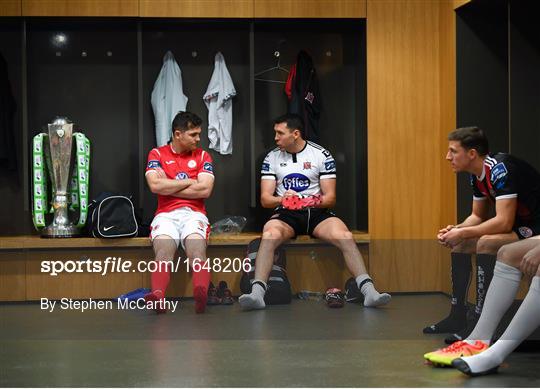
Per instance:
{"type": "Point", "coordinates": [448, 121]}
{"type": "Point", "coordinates": [80, 7]}
{"type": "Point", "coordinates": [197, 8]}
{"type": "Point", "coordinates": [10, 7]}
{"type": "Point", "coordinates": [411, 90]}
{"type": "Point", "coordinates": [310, 8]}
{"type": "Point", "coordinates": [12, 276]}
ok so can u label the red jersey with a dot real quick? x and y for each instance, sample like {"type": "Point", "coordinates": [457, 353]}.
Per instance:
{"type": "Point", "coordinates": [178, 167]}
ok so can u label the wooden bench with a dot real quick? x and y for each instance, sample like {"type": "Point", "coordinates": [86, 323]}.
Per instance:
{"type": "Point", "coordinates": [32, 242]}
{"type": "Point", "coordinates": [311, 264]}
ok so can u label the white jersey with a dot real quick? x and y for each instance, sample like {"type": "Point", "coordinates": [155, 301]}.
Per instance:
{"type": "Point", "coordinates": [218, 100]}
{"type": "Point", "coordinates": [300, 172]}
{"type": "Point", "coordinates": [167, 98]}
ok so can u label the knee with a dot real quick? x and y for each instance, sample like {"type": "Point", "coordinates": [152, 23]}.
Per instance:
{"type": "Point", "coordinates": [272, 236]}
{"type": "Point", "coordinates": [503, 255]}
{"type": "Point", "coordinates": [488, 245]}
{"type": "Point", "coordinates": [465, 247]}
{"type": "Point", "coordinates": [506, 255]}
{"type": "Point", "coordinates": [347, 235]}
{"type": "Point", "coordinates": [340, 234]}
{"type": "Point", "coordinates": [344, 236]}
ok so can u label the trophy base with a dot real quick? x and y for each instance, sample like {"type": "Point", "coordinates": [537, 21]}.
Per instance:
{"type": "Point", "coordinates": [53, 231]}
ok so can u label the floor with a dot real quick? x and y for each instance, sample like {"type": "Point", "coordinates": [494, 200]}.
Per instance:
{"type": "Point", "coordinates": [302, 344]}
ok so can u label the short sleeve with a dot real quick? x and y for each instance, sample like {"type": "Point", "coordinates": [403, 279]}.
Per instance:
{"type": "Point", "coordinates": [207, 165]}
{"type": "Point", "coordinates": [154, 161]}
{"type": "Point", "coordinates": [268, 171]}
{"type": "Point", "coordinates": [327, 168]}
{"type": "Point", "coordinates": [503, 180]}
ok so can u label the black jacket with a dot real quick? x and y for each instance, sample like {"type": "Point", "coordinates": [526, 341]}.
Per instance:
{"type": "Point", "coordinates": [305, 99]}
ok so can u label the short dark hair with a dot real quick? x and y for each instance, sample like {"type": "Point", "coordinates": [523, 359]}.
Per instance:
{"type": "Point", "coordinates": [184, 121]}
{"type": "Point", "coordinates": [292, 121]}
{"type": "Point", "coordinates": [471, 138]}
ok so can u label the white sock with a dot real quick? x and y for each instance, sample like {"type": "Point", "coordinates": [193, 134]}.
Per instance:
{"type": "Point", "coordinates": [372, 298]}
{"type": "Point", "coordinates": [254, 300]}
{"type": "Point", "coordinates": [501, 293]}
{"type": "Point", "coordinates": [526, 320]}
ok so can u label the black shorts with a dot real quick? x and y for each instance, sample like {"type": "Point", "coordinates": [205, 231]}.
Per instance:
{"type": "Point", "coordinates": [304, 221]}
{"type": "Point", "coordinates": [527, 229]}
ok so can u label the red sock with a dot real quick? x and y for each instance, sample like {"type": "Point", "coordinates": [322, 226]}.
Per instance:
{"type": "Point", "coordinates": [160, 279]}
{"type": "Point", "coordinates": [201, 280]}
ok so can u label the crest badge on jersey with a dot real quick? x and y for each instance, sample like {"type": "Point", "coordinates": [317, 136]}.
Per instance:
{"type": "Point", "coordinates": [525, 232]}
{"type": "Point", "coordinates": [191, 164]}
{"type": "Point", "coordinates": [307, 165]}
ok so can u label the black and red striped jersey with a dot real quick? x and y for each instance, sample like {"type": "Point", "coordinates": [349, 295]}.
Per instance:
{"type": "Point", "coordinates": [504, 177]}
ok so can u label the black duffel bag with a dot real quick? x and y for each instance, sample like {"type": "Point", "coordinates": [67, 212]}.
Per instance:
{"type": "Point", "coordinates": [111, 216]}
{"type": "Point", "coordinates": [279, 287]}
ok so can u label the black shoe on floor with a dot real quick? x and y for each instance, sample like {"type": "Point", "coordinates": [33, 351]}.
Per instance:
{"type": "Point", "coordinates": [454, 322]}
{"type": "Point", "coordinates": [352, 293]}
{"type": "Point", "coordinates": [472, 319]}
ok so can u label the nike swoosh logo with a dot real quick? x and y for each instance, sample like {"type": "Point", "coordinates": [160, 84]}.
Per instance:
{"type": "Point", "coordinates": [169, 162]}
{"type": "Point", "coordinates": [107, 228]}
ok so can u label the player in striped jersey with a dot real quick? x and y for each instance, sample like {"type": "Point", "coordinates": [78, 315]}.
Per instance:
{"type": "Point", "coordinates": [509, 185]}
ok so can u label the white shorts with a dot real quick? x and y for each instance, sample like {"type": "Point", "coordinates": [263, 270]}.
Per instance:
{"type": "Point", "coordinates": [179, 224]}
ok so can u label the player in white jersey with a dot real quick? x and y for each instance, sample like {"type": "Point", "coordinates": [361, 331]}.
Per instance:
{"type": "Point", "coordinates": [301, 168]}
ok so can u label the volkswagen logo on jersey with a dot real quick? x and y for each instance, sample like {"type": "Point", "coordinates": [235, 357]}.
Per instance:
{"type": "Point", "coordinates": [181, 176]}
{"type": "Point", "coordinates": [295, 181]}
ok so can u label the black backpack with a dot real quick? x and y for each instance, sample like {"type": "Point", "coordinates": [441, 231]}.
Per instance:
{"type": "Point", "coordinates": [111, 216]}
{"type": "Point", "coordinates": [279, 287]}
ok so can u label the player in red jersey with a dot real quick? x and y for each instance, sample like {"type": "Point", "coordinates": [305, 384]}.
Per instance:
{"type": "Point", "coordinates": [182, 176]}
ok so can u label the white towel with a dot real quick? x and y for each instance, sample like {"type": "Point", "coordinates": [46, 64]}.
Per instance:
{"type": "Point", "coordinates": [167, 98]}
{"type": "Point", "coordinates": [218, 101]}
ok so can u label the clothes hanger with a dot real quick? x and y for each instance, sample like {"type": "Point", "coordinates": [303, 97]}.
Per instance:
{"type": "Point", "coordinates": [278, 67]}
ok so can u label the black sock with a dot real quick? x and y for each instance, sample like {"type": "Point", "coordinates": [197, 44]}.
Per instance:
{"type": "Point", "coordinates": [485, 264]}
{"type": "Point", "coordinates": [461, 276]}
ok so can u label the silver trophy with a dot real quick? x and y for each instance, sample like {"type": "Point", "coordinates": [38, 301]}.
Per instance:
{"type": "Point", "coordinates": [59, 154]}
